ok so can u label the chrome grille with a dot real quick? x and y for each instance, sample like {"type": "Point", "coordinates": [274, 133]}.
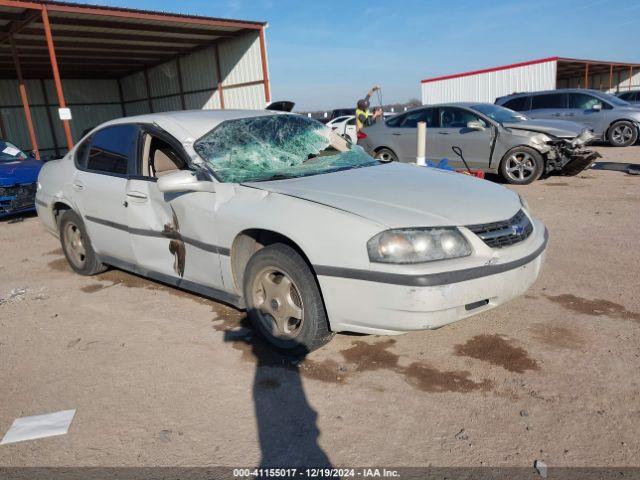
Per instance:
{"type": "Point", "coordinates": [505, 233]}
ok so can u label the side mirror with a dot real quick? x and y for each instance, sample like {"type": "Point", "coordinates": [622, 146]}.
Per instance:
{"type": "Point", "coordinates": [597, 107]}
{"type": "Point", "coordinates": [475, 125]}
{"type": "Point", "coordinates": [184, 181]}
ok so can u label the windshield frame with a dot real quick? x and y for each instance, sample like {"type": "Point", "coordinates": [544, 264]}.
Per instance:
{"type": "Point", "coordinates": [612, 99]}
{"type": "Point", "coordinates": [211, 169]}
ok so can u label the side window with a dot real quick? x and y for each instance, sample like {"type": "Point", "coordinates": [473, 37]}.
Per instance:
{"type": "Point", "coordinates": [351, 121]}
{"type": "Point", "coordinates": [583, 101]}
{"type": "Point", "coordinates": [627, 96]}
{"type": "Point", "coordinates": [411, 119]}
{"type": "Point", "coordinates": [548, 100]}
{"type": "Point", "coordinates": [396, 121]}
{"type": "Point", "coordinates": [111, 149]}
{"type": "Point", "coordinates": [520, 104]}
{"type": "Point", "coordinates": [451, 117]}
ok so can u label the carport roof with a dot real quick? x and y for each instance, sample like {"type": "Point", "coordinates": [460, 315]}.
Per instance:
{"type": "Point", "coordinates": [105, 42]}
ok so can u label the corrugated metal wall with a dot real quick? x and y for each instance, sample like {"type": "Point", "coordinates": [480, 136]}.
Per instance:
{"type": "Point", "coordinates": [240, 71]}
{"type": "Point", "coordinates": [95, 101]}
{"type": "Point", "coordinates": [486, 87]}
{"type": "Point", "coordinates": [92, 102]}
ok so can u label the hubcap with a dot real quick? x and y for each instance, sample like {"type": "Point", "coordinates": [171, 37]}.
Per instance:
{"type": "Point", "coordinates": [75, 245]}
{"type": "Point", "coordinates": [520, 166]}
{"type": "Point", "coordinates": [622, 134]}
{"type": "Point", "coordinates": [278, 303]}
{"type": "Point", "coordinates": [385, 157]}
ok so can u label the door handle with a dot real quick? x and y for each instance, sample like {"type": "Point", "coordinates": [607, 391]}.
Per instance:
{"type": "Point", "coordinates": [137, 195]}
{"type": "Point", "coordinates": [555, 114]}
{"type": "Point", "coordinates": [444, 133]}
{"type": "Point", "coordinates": [76, 185]}
{"type": "Point", "coordinates": [396, 134]}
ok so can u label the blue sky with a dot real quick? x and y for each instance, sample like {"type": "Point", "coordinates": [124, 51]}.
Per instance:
{"type": "Point", "coordinates": [327, 53]}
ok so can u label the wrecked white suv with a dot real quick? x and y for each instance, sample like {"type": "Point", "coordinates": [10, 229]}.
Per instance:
{"type": "Point", "coordinates": [274, 213]}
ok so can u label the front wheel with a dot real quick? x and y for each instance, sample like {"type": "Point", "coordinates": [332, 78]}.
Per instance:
{"type": "Point", "coordinates": [283, 300]}
{"type": "Point", "coordinates": [622, 134]}
{"type": "Point", "coordinates": [521, 165]}
{"type": "Point", "coordinates": [385, 156]}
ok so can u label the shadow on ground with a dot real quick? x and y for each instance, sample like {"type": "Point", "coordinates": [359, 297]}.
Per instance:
{"type": "Point", "coordinates": [616, 166]}
{"type": "Point", "coordinates": [287, 424]}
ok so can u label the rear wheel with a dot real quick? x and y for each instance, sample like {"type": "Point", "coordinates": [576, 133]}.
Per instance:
{"type": "Point", "coordinates": [521, 165]}
{"type": "Point", "coordinates": [283, 300]}
{"type": "Point", "coordinates": [385, 155]}
{"type": "Point", "coordinates": [622, 134]}
{"type": "Point", "coordinates": [77, 246]}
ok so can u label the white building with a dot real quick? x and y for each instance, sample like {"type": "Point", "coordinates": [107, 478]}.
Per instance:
{"type": "Point", "coordinates": [543, 74]}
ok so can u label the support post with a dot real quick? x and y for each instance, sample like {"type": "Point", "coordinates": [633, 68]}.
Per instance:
{"type": "Point", "coordinates": [265, 70]}
{"type": "Point", "coordinates": [219, 77]}
{"type": "Point", "coordinates": [56, 73]}
{"type": "Point", "coordinates": [121, 97]}
{"type": "Point", "coordinates": [148, 87]}
{"type": "Point", "coordinates": [421, 157]}
{"type": "Point", "coordinates": [610, 77]}
{"type": "Point", "coordinates": [630, 75]}
{"type": "Point", "coordinates": [25, 99]}
{"type": "Point", "coordinates": [49, 117]}
{"type": "Point", "coordinates": [586, 75]}
{"type": "Point", "coordinates": [180, 86]}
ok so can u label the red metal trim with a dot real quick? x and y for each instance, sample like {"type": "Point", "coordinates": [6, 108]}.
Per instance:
{"type": "Point", "coordinates": [265, 69]}
{"type": "Point", "coordinates": [578, 60]}
{"type": "Point", "coordinates": [25, 99]}
{"type": "Point", "coordinates": [19, 4]}
{"type": "Point", "coordinates": [219, 76]}
{"type": "Point", "coordinates": [56, 74]}
{"type": "Point", "coordinates": [489, 70]}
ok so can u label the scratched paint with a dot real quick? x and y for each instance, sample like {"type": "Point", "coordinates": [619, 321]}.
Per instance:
{"type": "Point", "coordinates": [176, 244]}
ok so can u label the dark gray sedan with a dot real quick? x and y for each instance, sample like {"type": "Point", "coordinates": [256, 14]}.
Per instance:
{"type": "Point", "coordinates": [492, 138]}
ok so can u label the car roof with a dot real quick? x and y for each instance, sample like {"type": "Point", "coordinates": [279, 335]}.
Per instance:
{"type": "Point", "coordinates": [191, 123]}
{"type": "Point", "coordinates": [559, 90]}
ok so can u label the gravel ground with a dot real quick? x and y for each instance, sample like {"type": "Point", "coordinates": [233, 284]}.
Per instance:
{"type": "Point", "coordinates": [162, 377]}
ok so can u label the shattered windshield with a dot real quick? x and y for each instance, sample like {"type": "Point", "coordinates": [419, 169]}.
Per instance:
{"type": "Point", "coordinates": [10, 153]}
{"type": "Point", "coordinates": [499, 114]}
{"type": "Point", "coordinates": [274, 147]}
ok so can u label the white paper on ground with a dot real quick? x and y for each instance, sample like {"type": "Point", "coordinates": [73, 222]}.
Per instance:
{"type": "Point", "coordinates": [39, 426]}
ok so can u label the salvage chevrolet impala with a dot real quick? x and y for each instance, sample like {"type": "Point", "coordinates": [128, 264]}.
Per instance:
{"type": "Point", "coordinates": [276, 214]}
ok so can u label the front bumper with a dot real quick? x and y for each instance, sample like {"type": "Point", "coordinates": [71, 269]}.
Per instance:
{"type": "Point", "coordinates": [374, 307]}
{"type": "Point", "coordinates": [17, 199]}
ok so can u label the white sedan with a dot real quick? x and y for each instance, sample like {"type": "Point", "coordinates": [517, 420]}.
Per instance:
{"type": "Point", "coordinates": [345, 127]}
{"type": "Point", "coordinates": [275, 214]}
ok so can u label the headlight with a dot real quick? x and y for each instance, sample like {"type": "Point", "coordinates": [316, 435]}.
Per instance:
{"type": "Point", "coordinates": [524, 202]}
{"type": "Point", "coordinates": [417, 245]}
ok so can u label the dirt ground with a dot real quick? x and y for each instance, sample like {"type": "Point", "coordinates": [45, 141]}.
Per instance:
{"type": "Point", "coordinates": [162, 377]}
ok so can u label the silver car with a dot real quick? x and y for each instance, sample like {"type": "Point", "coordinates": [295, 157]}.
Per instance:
{"type": "Point", "coordinates": [612, 119]}
{"type": "Point", "coordinates": [632, 96]}
{"type": "Point", "coordinates": [492, 138]}
{"type": "Point", "coordinates": [274, 213]}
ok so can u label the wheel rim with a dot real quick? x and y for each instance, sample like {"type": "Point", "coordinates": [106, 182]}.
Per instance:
{"type": "Point", "coordinates": [278, 303]}
{"type": "Point", "coordinates": [74, 245]}
{"type": "Point", "coordinates": [520, 166]}
{"type": "Point", "coordinates": [622, 134]}
{"type": "Point", "coordinates": [385, 156]}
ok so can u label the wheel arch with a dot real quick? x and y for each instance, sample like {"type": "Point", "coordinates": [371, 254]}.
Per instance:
{"type": "Point", "coordinates": [248, 242]}
{"type": "Point", "coordinates": [630, 120]}
{"type": "Point", "coordinates": [58, 208]}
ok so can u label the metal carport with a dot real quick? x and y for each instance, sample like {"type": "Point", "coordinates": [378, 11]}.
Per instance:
{"type": "Point", "coordinates": [106, 62]}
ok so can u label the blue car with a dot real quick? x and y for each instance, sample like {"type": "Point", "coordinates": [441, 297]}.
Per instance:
{"type": "Point", "coordinates": [18, 180]}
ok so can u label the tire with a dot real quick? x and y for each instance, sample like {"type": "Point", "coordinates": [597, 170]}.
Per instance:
{"type": "Point", "coordinates": [385, 155]}
{"type": "Point", "coordinates": [76, 245]}
{"type": "Point", "coordinates": [622, 134]}
{"type": "Point", "coordinates": [521, 165]}
{"type": "Point", "coordinates": [302, 324]}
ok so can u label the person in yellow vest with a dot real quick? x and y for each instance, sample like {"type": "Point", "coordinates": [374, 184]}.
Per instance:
{"type": "Point", "coordinates": [364, 117]}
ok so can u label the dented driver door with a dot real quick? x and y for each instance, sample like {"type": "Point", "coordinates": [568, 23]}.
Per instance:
{"type": "Point", "coordinates": [173, 235]}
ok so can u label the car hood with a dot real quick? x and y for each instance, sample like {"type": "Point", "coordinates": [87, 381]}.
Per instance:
{"type": "Point", "coordinates": [557, 128]}
{"type": "Point", "coordinates": [403, 195]}
{"type": "Point", "coordinates": [19, 171]}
